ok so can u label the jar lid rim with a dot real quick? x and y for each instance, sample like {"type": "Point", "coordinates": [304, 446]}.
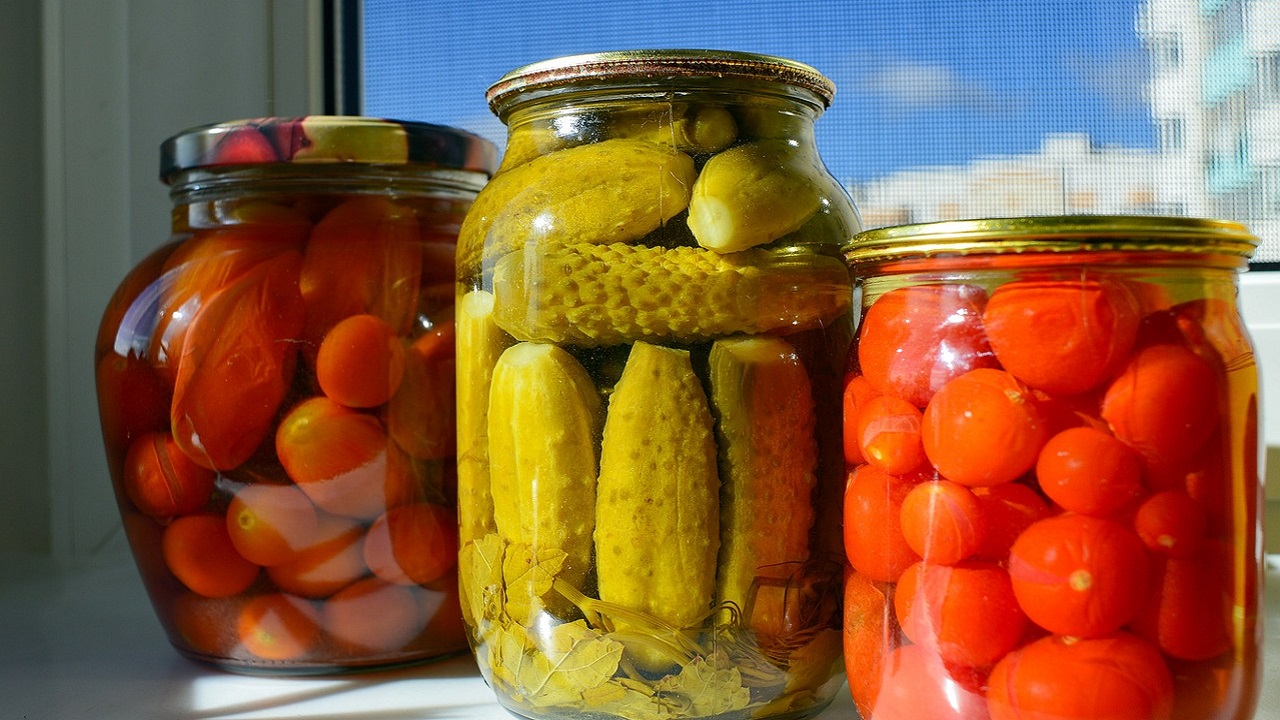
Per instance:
{"type": "Point", "coordinates": [1051, 234]}
{"type": "Point", "coordinates": [325, 139]}
{"type": "Point", "coordinates": [658, 64]}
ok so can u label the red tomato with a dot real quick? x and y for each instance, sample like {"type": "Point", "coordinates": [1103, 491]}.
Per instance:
{"type": "Point", "coordinates": [1189, 612]}
{"type": "Point", "coordinates": [1062, 336]}
{"type": "Point", "coordinates": [1089, 471]}
{"type": "Point", "coordinates": [1007, 510]}
{"type": "Point", "coordinates": [205, 625]}
{"type": "Point", "coordinates": [338, 457]}
{"type": "Point", "coordinates": [413, 544]}
{"type": "Point", "coordinates": [888, 430]}
{"type": "Point", "coordinates": [421, 416]}
{"type": "Point", "coordinates": [132, 400]}
{"type": "Point", "coordinates": [869, 635]}
{"type": "Point", "coordinates": [943, 521]}
{"type": "Point", "coordinates": [364, 256]}
{"type": "Point", "coordinates": [983, 428]}
{"type": "Point", "coordinates": [918, 685]}
{"type": "Point", "coordinates": [1164, 403]}
{"type": "Point", "coordinates": [278, 626]}
{"type": "Point", "coordinates": [333, 562]}
{"type": "Point", "coordinates": [360, 362]}
{"type": "Point", "coordinates": [873, 539]}
{"type": "Point", "coordinates": [966, 613]}
{"type": "Point", "coordinates": [914, 339]}
{"type": "Point", "coordinates": [237, 365]}
{"type": "Point", "coordinates": [199, 552]}
{"type": "Point", "coordinates": [857, 392]}
{"type": "Point", "coordinates": [1117, 677]}
{"type": "Point", "coordinates": [272, 524]}
{"type": "Point", "coordinates": [374, 616]}
{"type": "Point", "coordinates": [1171, 523]}
{"type": "Point", "coordinates": [161, 481]}
{"type": "Point", "coordinates": [1079, 575]}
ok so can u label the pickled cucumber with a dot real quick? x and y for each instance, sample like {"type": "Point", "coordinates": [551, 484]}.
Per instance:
{"type": "Point", "coordinates": [591, 295]}
{"type": "Point", "coordinates": [544, 424]}
{"type": "Point", "coordinates": [657, 511]}
{"type": "Point", "coordinates": [754, 193]}
{"type": "Point", "coordinates": [485, 342]}
{"type": "Point", "coordinates": [768, 457]}
{"type": "Point", "coordinates": [611, 191]}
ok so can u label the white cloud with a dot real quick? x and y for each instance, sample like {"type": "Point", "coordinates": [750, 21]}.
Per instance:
{"type": "Point", "coordinates": [921, 85]}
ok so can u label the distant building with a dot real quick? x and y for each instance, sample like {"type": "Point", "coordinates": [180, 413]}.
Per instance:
{"type": "Point", "coordinates": [1215, 98]}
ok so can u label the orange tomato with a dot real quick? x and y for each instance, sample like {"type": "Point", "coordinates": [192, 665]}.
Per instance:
{"type": "Point", "coordinates": [917, 685]}
{"type": "Point", "coordinates": [965, 613]}
{"type": "Point", "coordinates": [1164, 403]}
{"type": "Point", "coordinates": [339, 457]}
{"type": "Point", "coordinates": [1089, 471]}
{"type": "Point", "coordinates": [330, 564]}
{"type": "Point", "coordinates": [1007, 510]}
{"type": "Point", "coordinates": [1062, 336]}
{"type": "Point", "coordinates": [857, 393]}
{"type": "Point", "coordinates": [364, 256]}
{"type": "Point", "coordinates": [360, 362]}
{"type": "Point", "coordinates": [1079, 575]}
{"type": "Point", "coordinates": [1117, 677]}
{"type": "Point", "coordinates": [413, 544]}
{"type": "Point", "coordinates": [943, 522]}
{"type": "Point", "coordinates": [873, 540]}
{"type": "Point", "coordinates": [914, 339]}
{"type": "Point", "coordinates": [199, 552]}
{"type": "Point", "coordinates": [206, 626]}
{"type": "Point", "coordinates": [983, 428]}
{"type": "Point", "coordinates": [277, 626]}
{"type": "Point", "coordinates": [374, 616]}
{"type": "Point", "coordinates": [421, 416]}
{"type": "Point", "coordinates": [161, 481]}
{"type": "Point", "coordinates": [888, 433]}
{"type": "Point", "coordinates": [272, 524]}
{"type": "Point", "coordinates": [1171, 523]}
{"type": "Point", "coordinates": [1189, 612]}
{"type": "Point", "coordinates": [869, 635]}
{"type": "Point", "coordinates": [237, 364]}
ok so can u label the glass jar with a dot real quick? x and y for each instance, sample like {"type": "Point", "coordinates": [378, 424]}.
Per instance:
{"type": "Point", "coordinates": [653, 316]}
{"type": "Point", "coordinates": [276, 392]}
{"type": "Point", "coordinates": [1053, 447]}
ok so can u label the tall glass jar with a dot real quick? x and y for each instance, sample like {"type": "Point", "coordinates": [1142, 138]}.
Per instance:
{"type": "Point", "coordinates": [1054, 491]}
{"type": "Point", "coordinates": [653, 317]}
{"type": "Point", "coordinates": [276, 387]}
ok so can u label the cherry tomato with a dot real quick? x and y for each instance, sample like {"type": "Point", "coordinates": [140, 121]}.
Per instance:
{"type": "Point", "coordinates": [918, 685]}
{"type": "Point", "coordinates": [983, 428]}
{"type": "Point", "coordinates": [421, 416]}
{"type": "Point", "coordinates": [360, 362]}
{"type": "Point", "coordinates": [375, 616]}
{"type": "Point", "coordinates": [338, 457]}
{"type": "Point", "coordinates": [237, 364]}
{"type": "Point", "coordinates": [1079, 575]}
{"type": "Point", "coordinates": [1189, 612]}
{"type": "Point", "coordinates": [943, 522]}
{"type": "Point", "coordinates": [966, 613]}
{"type": "Point", "coordinates": [1118, 677]}
{"type": "Point", "coordinates": [1007, 510]}
{"type": "Point", "coordinates": [914, 339]}
{"type": "Point", "coordinates": [278, 626]}
{"type": "Point", "coordinates": [857, 392]}
{"type": "Point", "coordinates": [1089, 471]}
{"type": "Point", "coordinates": [869, 635]}
{"type": "Point", "coordinates": [272, 524]}
{"type": "Point", "coordinates": [873, 539]}
{"type": "Point", "coordinates": [205, 625]}
{"type": "Point", "coordinates": [330, 564]}
{"type": "Point", "coordinates": [132, 400]}
{"type": "Point", "coordinates": [199, 552]}
{"type": "Point", "coordinates": [1062, 336]}
{"type": "Point", "coordinates": [1171, 523]}
{"type": "Point", "coordinates": [364, 256]}
{"type": "Point", "coordinates": [161, 481]}
{"type": "Point", "coordinates": [413, 544]}
{"type": "Point", "coordinates": [1164, 403]}
{"type": "Point", "coordinates": [888, 431]}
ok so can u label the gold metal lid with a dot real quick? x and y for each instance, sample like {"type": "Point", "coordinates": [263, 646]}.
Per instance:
{"type": "Point", "coordinates": [1051, 234]}
{"type": "Point", "coordinates": [656, 65]}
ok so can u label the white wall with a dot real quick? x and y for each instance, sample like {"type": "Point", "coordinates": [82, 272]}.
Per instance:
{"type": "Point", "coordinates": [91, 88]}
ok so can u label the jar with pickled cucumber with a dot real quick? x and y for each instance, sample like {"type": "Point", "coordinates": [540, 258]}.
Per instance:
{"type": "Point", "coordinates": [1051, 428]}
{"type": "Point", "coordinates": [276, 387]}
{"type": "Point", "coordinates": [653, 317]}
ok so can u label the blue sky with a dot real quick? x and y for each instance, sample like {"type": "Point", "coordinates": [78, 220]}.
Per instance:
{"type": "Point", "coordinates": [919, 82]}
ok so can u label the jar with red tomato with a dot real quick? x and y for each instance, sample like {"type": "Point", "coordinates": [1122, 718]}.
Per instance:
{"type": "Point", "coordinates": [1052, 444]}
{"type": "Point", "coordinates": [276, 393]}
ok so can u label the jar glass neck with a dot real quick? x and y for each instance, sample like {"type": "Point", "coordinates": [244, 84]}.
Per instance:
{"type": "Point", "coordinates": [219, 183]}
